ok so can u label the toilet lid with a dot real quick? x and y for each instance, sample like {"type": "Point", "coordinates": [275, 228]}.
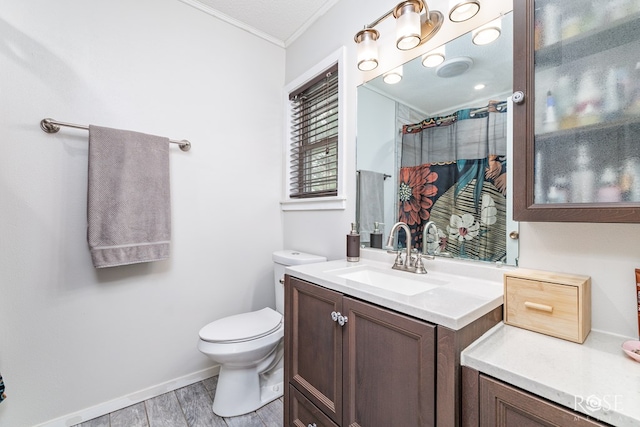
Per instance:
{"type": "Point", "coordinates": [242, 327]}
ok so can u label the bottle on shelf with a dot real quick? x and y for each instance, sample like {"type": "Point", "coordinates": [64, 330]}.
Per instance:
{"type": "Point", "coordinates": [588, 99]}
{"type": "Point", "coordinates": [609, 190]}
{"type": "Point", "coordinates": [582, 179]}
{"type": "Point", "coordinates": [550, 123]}
{"type": "Point", "coordinates": [558, 192]}
{"type": "Point", "coordinates": [630, 180]}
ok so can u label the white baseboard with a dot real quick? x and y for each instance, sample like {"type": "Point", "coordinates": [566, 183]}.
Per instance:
{"type": "Point", "coordinates": [130, 399]}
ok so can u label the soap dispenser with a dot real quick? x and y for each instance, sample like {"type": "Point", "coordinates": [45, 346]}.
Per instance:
{"type": "Point", "coordinates": [376, 236]}
{"type": "Point", "coordinates": [353, 244]}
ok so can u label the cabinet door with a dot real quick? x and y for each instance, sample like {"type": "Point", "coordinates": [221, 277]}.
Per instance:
{"type": "Point", "coordinates": [389, 368]}
{"type": "Point", "coordinates": [576, 151]}
{"type": "Point", "coordinates": [314, 345]}
{"type": "Point", "coordinates": [503, 405]}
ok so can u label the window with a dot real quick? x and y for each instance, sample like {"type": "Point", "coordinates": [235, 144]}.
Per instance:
{"type": "Point", "coordinates": [314, 138]}
{"type": "Point", "coordinates": [313, 148]}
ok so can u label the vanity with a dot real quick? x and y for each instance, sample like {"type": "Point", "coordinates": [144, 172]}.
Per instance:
{"type": "Point", "coordinates": [366, 345]}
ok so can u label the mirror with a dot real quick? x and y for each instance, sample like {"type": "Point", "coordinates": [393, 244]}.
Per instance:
{"type": "Point", "coordinates": [446, 92]}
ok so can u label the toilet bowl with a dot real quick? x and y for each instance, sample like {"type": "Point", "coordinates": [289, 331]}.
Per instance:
{"type": "Point", "coordinates": [249, 348]}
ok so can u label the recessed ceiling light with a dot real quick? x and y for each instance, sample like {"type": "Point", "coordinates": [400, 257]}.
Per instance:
{"type": "Point", "coordinates": [479, 86]}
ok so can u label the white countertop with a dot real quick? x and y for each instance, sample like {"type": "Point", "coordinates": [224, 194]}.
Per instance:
{"type": "Point", "coordinates": [455, 294]}
{"type": "Point", "coordinates": [595, 378]}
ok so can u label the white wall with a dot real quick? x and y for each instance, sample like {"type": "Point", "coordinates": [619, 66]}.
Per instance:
{"type": "Point", "coordinates": [71, 336]}
{"type": "Point", "coordinates": [606, 252]}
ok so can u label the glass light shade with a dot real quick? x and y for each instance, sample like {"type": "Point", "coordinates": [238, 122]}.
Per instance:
{"type": "Point", "coordinates": [367, 49]}
{"type": "Point", "coordinates": [487, 33]}
{"type": "Point", "coordinates": [392, 77]}
{"type": "Point", "coordinates": [434, 57]}
{"type": "Point", "coordinates": [407, 26]}
{"type": "Point", "coordinates": [460, 11]}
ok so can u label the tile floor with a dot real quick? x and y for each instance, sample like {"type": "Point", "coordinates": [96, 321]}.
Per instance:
{"type": "Point", "coordinates": [189, 406]}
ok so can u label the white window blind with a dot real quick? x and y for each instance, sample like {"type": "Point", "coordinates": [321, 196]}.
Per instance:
{"type": "Point", "coordinates": [314, 137]}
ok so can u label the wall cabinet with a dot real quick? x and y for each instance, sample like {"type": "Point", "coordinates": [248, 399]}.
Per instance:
{"type": "Point", "coordinates": [370, 366]}
{"type": "Point", "coordinates": [493, 403]}
{"type": "Point", "coordinates": [576, 131]}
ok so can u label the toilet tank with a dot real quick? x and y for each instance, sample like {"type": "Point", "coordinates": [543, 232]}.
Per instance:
{"type": "Point", "coordinates": [285, 258]}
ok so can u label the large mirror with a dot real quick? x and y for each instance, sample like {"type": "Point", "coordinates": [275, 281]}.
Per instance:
{"type": "Point", "coordinates": [436, 146]}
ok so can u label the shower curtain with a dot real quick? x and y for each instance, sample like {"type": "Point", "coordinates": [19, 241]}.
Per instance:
{"type": "Point", "coordinates": [453, 172]}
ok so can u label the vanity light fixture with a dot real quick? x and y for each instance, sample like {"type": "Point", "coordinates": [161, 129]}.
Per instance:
{"type": "Point", "coordinates": [487, 33]}
{"type": "Point", "coordinates": [434, 57]}
{"type": "Point", "coordinates": [392, 77]}
{"type": "Point", "coordinates": [460, 11]}
{"type": "Point", "coordinates": [415, 24]}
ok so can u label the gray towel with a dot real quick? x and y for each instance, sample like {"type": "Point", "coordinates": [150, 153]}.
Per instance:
{"type": "Point", "coordinates": [128, 203]}
{"type": "Point", "coordinates": [371, 196]}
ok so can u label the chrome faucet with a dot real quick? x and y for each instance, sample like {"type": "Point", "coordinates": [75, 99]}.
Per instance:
{"type": "Point", "coordinates": [425, 246]}
{"type": "Point", "coordinates": [409, 264]}
{"type": "Point", "coordinates": [425, 234]}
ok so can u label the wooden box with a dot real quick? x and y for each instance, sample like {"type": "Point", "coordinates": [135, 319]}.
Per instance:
{"type": "Point", "coordinates": [554, 304]}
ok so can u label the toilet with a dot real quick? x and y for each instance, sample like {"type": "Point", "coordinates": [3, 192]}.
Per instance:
{"type": "Point", "coordinates": [249, 348]}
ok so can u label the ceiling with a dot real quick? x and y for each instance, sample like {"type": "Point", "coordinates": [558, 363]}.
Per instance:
{"type": "Point", "coordinates": [278, 21]}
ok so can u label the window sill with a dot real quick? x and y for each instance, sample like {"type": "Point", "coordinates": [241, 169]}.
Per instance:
{"type": "Point", "coordinates": [314, 204]}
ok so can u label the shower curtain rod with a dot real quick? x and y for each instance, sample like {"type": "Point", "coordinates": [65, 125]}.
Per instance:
{"type": "Point", "coordinates": [53, 126]}
{"type": "Point", "coordinates": [499, 106]}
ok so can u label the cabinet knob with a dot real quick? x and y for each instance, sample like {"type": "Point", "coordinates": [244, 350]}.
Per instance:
{"type": "Point", "coordinates": [342, 319]}
{"type": "Point", "coordinates": [514, 235]}
{"type": "Point", "coordinates": [312, 425]}
{"type": "Point", "coordinates": [334, 316]}
{"type": "Point", "coordinates": [518, 97]}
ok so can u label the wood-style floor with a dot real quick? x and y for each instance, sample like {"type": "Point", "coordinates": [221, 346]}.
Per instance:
{"type": "Point", "coordinates": [187, 407]}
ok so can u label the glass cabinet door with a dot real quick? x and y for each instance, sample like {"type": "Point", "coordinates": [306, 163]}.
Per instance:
{"type": "Point", "coordinates": [577, 123]}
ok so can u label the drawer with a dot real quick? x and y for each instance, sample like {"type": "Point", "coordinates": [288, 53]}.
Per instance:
{"type": "Point", "coordinates": [550, 303]}
{"type": "Point", "coordinates": [305, 413]}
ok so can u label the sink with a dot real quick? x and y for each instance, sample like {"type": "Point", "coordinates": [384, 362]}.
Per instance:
{"type": "Point", "coordinates": [392, 282]}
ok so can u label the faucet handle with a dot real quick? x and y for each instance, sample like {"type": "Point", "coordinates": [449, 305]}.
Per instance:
{"type": "Point", "coordinates": [419, 266]}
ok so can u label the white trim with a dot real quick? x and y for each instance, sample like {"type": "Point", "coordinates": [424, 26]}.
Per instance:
{"type": "Point", "coordinates": [318, 203]}
{"type": "Point", "coordinates": [130, 399]}
{"type": "Point", "coordinates": [229, 20]}
{"type": "Point", "coordinates": [314, 204]}
{"type": "Point", "coordinates": [309, 22]}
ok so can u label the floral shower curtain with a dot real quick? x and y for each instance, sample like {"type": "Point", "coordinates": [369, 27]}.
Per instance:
{"type": "Point", "coordinates": [453, 172]}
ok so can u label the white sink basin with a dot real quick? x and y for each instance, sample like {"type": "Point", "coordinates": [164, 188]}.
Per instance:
{"type": "Point", "coordinates": [393, 283]}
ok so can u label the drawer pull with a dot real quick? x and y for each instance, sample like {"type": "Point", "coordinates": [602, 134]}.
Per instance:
{"type": "Point", "coordinates": [540, 307]}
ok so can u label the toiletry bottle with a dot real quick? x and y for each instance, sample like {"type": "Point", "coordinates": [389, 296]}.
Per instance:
{"type": "Point", "coordinates": [376, 236]}
{"type": "Point", "coordinates": [550, 120]}
{"type": "Point", "coordinates": [582, 178]}
{"type": "Point", "coordinates": [353, 244]}
{"type": "Point", "coordinates": [609, 190]}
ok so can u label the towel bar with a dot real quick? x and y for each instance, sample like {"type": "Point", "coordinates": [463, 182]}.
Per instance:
{"type": "Point", "coordinates": [53, 126]}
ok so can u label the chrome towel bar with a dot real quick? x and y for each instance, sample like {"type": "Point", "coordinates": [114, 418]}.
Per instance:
{"type": "Point", "coordinates": [53, 126]}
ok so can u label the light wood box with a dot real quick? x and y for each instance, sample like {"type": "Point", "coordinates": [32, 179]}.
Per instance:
{"type": "Point", "coordinates": [554, 304]}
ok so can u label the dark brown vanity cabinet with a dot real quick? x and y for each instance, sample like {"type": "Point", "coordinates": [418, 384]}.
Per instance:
{"type": "Point", "coordinates": [576, 111]}
{"type": "Point", "coordinates": [369, 367]}
{"type": "Point", "coordinates": [492, 403]}
{"type": "Point", "coordinates": [352, 363]}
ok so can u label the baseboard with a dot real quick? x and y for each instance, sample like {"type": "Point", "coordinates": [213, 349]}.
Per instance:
{"type": "Point", "coordinates": [130, 399]}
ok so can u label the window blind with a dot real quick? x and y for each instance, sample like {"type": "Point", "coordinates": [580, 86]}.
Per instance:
{"type": "Point", "coordinates": [314, 137]}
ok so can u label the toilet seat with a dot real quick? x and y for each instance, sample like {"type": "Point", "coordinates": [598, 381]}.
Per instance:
{"type": "Point", "coordinates": [242, 327]}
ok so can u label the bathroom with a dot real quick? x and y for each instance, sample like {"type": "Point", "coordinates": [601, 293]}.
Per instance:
{"type": "Point", "coordinates": [73, 337]}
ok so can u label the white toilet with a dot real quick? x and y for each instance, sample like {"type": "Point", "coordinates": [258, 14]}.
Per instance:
{"type": "Point", "coordinates": [249, 348]}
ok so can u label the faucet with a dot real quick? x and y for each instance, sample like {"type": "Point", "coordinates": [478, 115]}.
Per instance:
{"type": "Point", "coordinates": [425, 246]}
{"type": "Point", "coordinates": [409, 264]}
{"type": "Point", "coordinates": [425, 234]}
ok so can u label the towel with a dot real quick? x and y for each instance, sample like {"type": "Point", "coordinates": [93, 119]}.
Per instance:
{"type": "Point", "coordinates": [371, 197]}
{"type": "Point", "coordinates": [128, 203]}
